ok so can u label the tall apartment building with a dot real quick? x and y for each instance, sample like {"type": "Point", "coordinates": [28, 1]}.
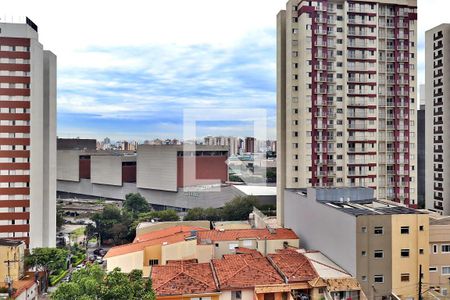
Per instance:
{"type": "Point", "coordinates": [27, 136]}
{"type": "Point", "coordinates": [234, 143]}
{"type": "Point", "coordinates": [421, 149]}
{"type": "Point", "coordinates": [347, 95]}
{"type": "Point", "coordinates": [437, 115]}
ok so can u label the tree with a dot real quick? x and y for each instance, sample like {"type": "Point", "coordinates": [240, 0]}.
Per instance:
{"type": "Point", "coordinates": [239, 208]}
{"type": "Point", "coordinates": [47, 260]}
{"type": "Point", "coordinates": [199, 213]}
{"type": "Point", "coordinates": [94, 283]}
{"type": "Point", "coordinates": [107, 224]}
{"type": "Point", "coordinates": [59, 217]}
{"type": "Point", "coordinates": [136, 204]}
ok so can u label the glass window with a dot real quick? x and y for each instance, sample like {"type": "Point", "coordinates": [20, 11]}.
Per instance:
{"type": "Point", "coordinates": [378, 230]}
{"type": "Point", "coordinates": [445, 270]}
{"type": "Point", "coordinates": [378, 278]}
{"type": "Point", "coordinates": [404, 253]}
{"type": "Point", "coordinates": [445, 248]}
{"type": "Point", "coordinates": [404, 230]}
{"type": "Point", "coordinates": [404, 277]}
{"type": "Point", "coordinates": [378, 254]}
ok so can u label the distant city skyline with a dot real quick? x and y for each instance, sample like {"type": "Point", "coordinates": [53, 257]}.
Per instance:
{"type": "Point", "coordinates": [118, 77]}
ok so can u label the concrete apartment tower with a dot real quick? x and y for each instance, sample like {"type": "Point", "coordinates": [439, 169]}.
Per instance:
{"type": "Point", "coordinates": [27, 136]}
{"type": "Point", "coordinates": [346, 96]}
{"type": "Point", "coordinates": [437, 116]}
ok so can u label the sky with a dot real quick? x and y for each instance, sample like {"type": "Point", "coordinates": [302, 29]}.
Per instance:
{"type": "Point", "coordinates": [130, 69]}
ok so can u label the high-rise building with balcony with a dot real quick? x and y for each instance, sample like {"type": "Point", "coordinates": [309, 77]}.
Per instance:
{"type": "Point", "coordinates": [346, 96]}
{"type": "Point", "coordinates": [437, 116]}
{"type": "Point", "coordinates": [27, 136]}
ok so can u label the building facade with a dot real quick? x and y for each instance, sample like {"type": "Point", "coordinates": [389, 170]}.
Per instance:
{"type": "Point", "coordinates": [437, 115]}
{"type": "Point", "coordinates": [421, 149]}
{"type": "Point", "coordinates": [380, 243]}
{"type": "Point", "coordinates": [27, 136]}
{"type": "Point", "coordinates": [347, 95]}
{"type": "Point", "coordinates": [439, 254]}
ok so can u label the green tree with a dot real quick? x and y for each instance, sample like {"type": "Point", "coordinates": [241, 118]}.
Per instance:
{"type": "Point", "coordinates": [136, 204]}
{"type": "Point", "coordinates": [59, 217]}
{"type": "Point", "coordinates": [47, 260]}
{"type": "Point", "coordinates": [199, 213]}
{"type": "Point", "coordinates": [112, 223]}
{"type": "Point", "coordinates": [239, 208]}
{"type": "Point", "coordinates": [94, 283]}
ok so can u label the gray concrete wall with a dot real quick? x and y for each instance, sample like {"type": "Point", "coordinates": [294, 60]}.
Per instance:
{"type": "Point", "coordinates": [172, 199]}
{"type": "Point", "coordinates": [106, 170]}
{"type": "Point", "coordinates": [157, 167]}
{"type": "Point", "coordinates": [321, 227]}
{"type": "Point", "coordinates": [68, 165]}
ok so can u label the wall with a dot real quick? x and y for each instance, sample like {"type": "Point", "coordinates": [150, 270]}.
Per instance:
{"type": "Point", "coordinates": [315, 224]}
{"type": "Point", "coordinates": [415, 240]}
{"type": "Point", "coordinates": [68, 165]}
{"type": "Point", "coordinates": [246, 295]}
{"type": "Point", "coordinates": [127, 262]}
{"type": "Point", "coordinates": [150, 227]}
{"type": "Point", "coordinates": [207, 167]}
{"type": "Point", "coordinates": [106, 170]}
{"type": "Point", "coordinates": [179, 251]}
{"type": "Point", "coordinates": [157, 168]}
{"type": "Point", "coordinates": [439, 235]}
{"type": "Point", "coordinates": [158, 197]}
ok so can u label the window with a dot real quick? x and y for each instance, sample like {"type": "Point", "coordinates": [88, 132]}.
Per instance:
{"type": "Point", "coordinates": [378, 254]}
{"type": "Point", "coordinates": [404, 277]}
{"type": "Point", "coordinates": [363, 253]}
{"type": "Point", "coordinates": [421, 227]}
{"type": "Point", "coordinates": [445, 248]}
{"type": "Point", "coordinates": [421, 251]}
{"type": "Point", "coordinates": [378, 230]}
{"type": "Point", "coordinates": [153, 262]}
{"type": "Point", "coordinates": [446, 270]}
{"type": "Point", "coordinates": [404, 230]}
{"type": "Point", "coordinates": [404, 253]}
{"type": "Point", "coordinates": [432, 269]}
{"type": "Point", "coordinates": [236, 295]}
{"type": "Point", "coordinates": [233, 246]}
{"type": "Point", "coordinates": [378, 278]}
{"type": "Point", "coordinates": [435, 249]}
{"type": "Point", "coordinates": [364, 278]}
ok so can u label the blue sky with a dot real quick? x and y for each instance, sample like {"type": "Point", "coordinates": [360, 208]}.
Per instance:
{"type": "Point", "coordinates": [127, 70]}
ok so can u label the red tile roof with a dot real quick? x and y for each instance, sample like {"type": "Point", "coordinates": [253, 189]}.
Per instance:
{"type": "Point", "coordinates": [183, 278]}
{"type": "Point", "coordinates": [139, 246]}
{"type": "Point", "coordinates": [252, 252]}
{"type": "Point", "coordinates": [244, 271]}
{"type": "Point", "coordinates": [295, 266]}
{"type": "Point", "coordinates": [166, 232]}
{"type": "Point", "coordinates": [237, 234]}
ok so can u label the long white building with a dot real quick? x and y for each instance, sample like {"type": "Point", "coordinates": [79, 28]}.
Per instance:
{"type": "Point", "coordinates": [437, 116]}
{"type": "Point", "coordinates": [27, 136]}
{"type": "Point", "coordinates": [346, 96]}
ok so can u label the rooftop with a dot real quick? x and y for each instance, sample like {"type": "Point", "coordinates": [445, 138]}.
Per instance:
{"type": "Point", "coordinates": [293, 265]}
{"type": "Point", "coordinates": [10, 242]}
{"type": "Point", "coordinates": [166, 232]}
{"type": "Point", "coordinates": [324, 266]}
{"type": "Point", "coordinates": [256, 190]}
{"type": "Point", "coordinates": [242, 271]}
{"type": "Point", "coordinates": [237, 234]}
{"type": "Point", "coordinates": [376, 207]}
{"type": "Point", "coordinates": [160, 237]}
{"type": "Point", "coordinates": [183, 277]}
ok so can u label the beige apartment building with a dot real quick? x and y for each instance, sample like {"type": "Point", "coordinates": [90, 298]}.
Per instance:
{"type": "Point", "coordinates": [346, 96]}
{"type": "Point", "coordinates": [380, 243]}
{"type": "Point", "coordinates": [439, 254]}
{"type": "Point", "coordinates": [437, 116]}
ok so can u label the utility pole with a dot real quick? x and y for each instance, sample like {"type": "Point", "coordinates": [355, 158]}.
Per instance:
{"type": "Point", "coordinates": [8, 262]}
{"type": "Point", "coordinates": [420, 282]}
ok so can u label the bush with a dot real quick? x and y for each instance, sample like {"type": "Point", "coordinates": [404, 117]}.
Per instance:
{"type": "Point", "coordinates": [54, 279]}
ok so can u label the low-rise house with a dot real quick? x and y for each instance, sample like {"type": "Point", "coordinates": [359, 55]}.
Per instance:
{"type": "Point", "coordinates": [287, 274]}
{"type": "Point", "coordinates": [238, 275]}
{"type": "Point", "coordinates": [264, 240]}
{"type": "Point", "coordinates": [156, 248]}
{"type": "Point", "coordinates": [189, 242]}
{"type": "Point", "coordinates": [184, 279]}
{"type": "Point", "coordinates": [23, 286]}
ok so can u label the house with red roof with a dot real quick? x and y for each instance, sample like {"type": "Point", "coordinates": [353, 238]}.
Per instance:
{"type": "Point", "coordinates": [183, 242]}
